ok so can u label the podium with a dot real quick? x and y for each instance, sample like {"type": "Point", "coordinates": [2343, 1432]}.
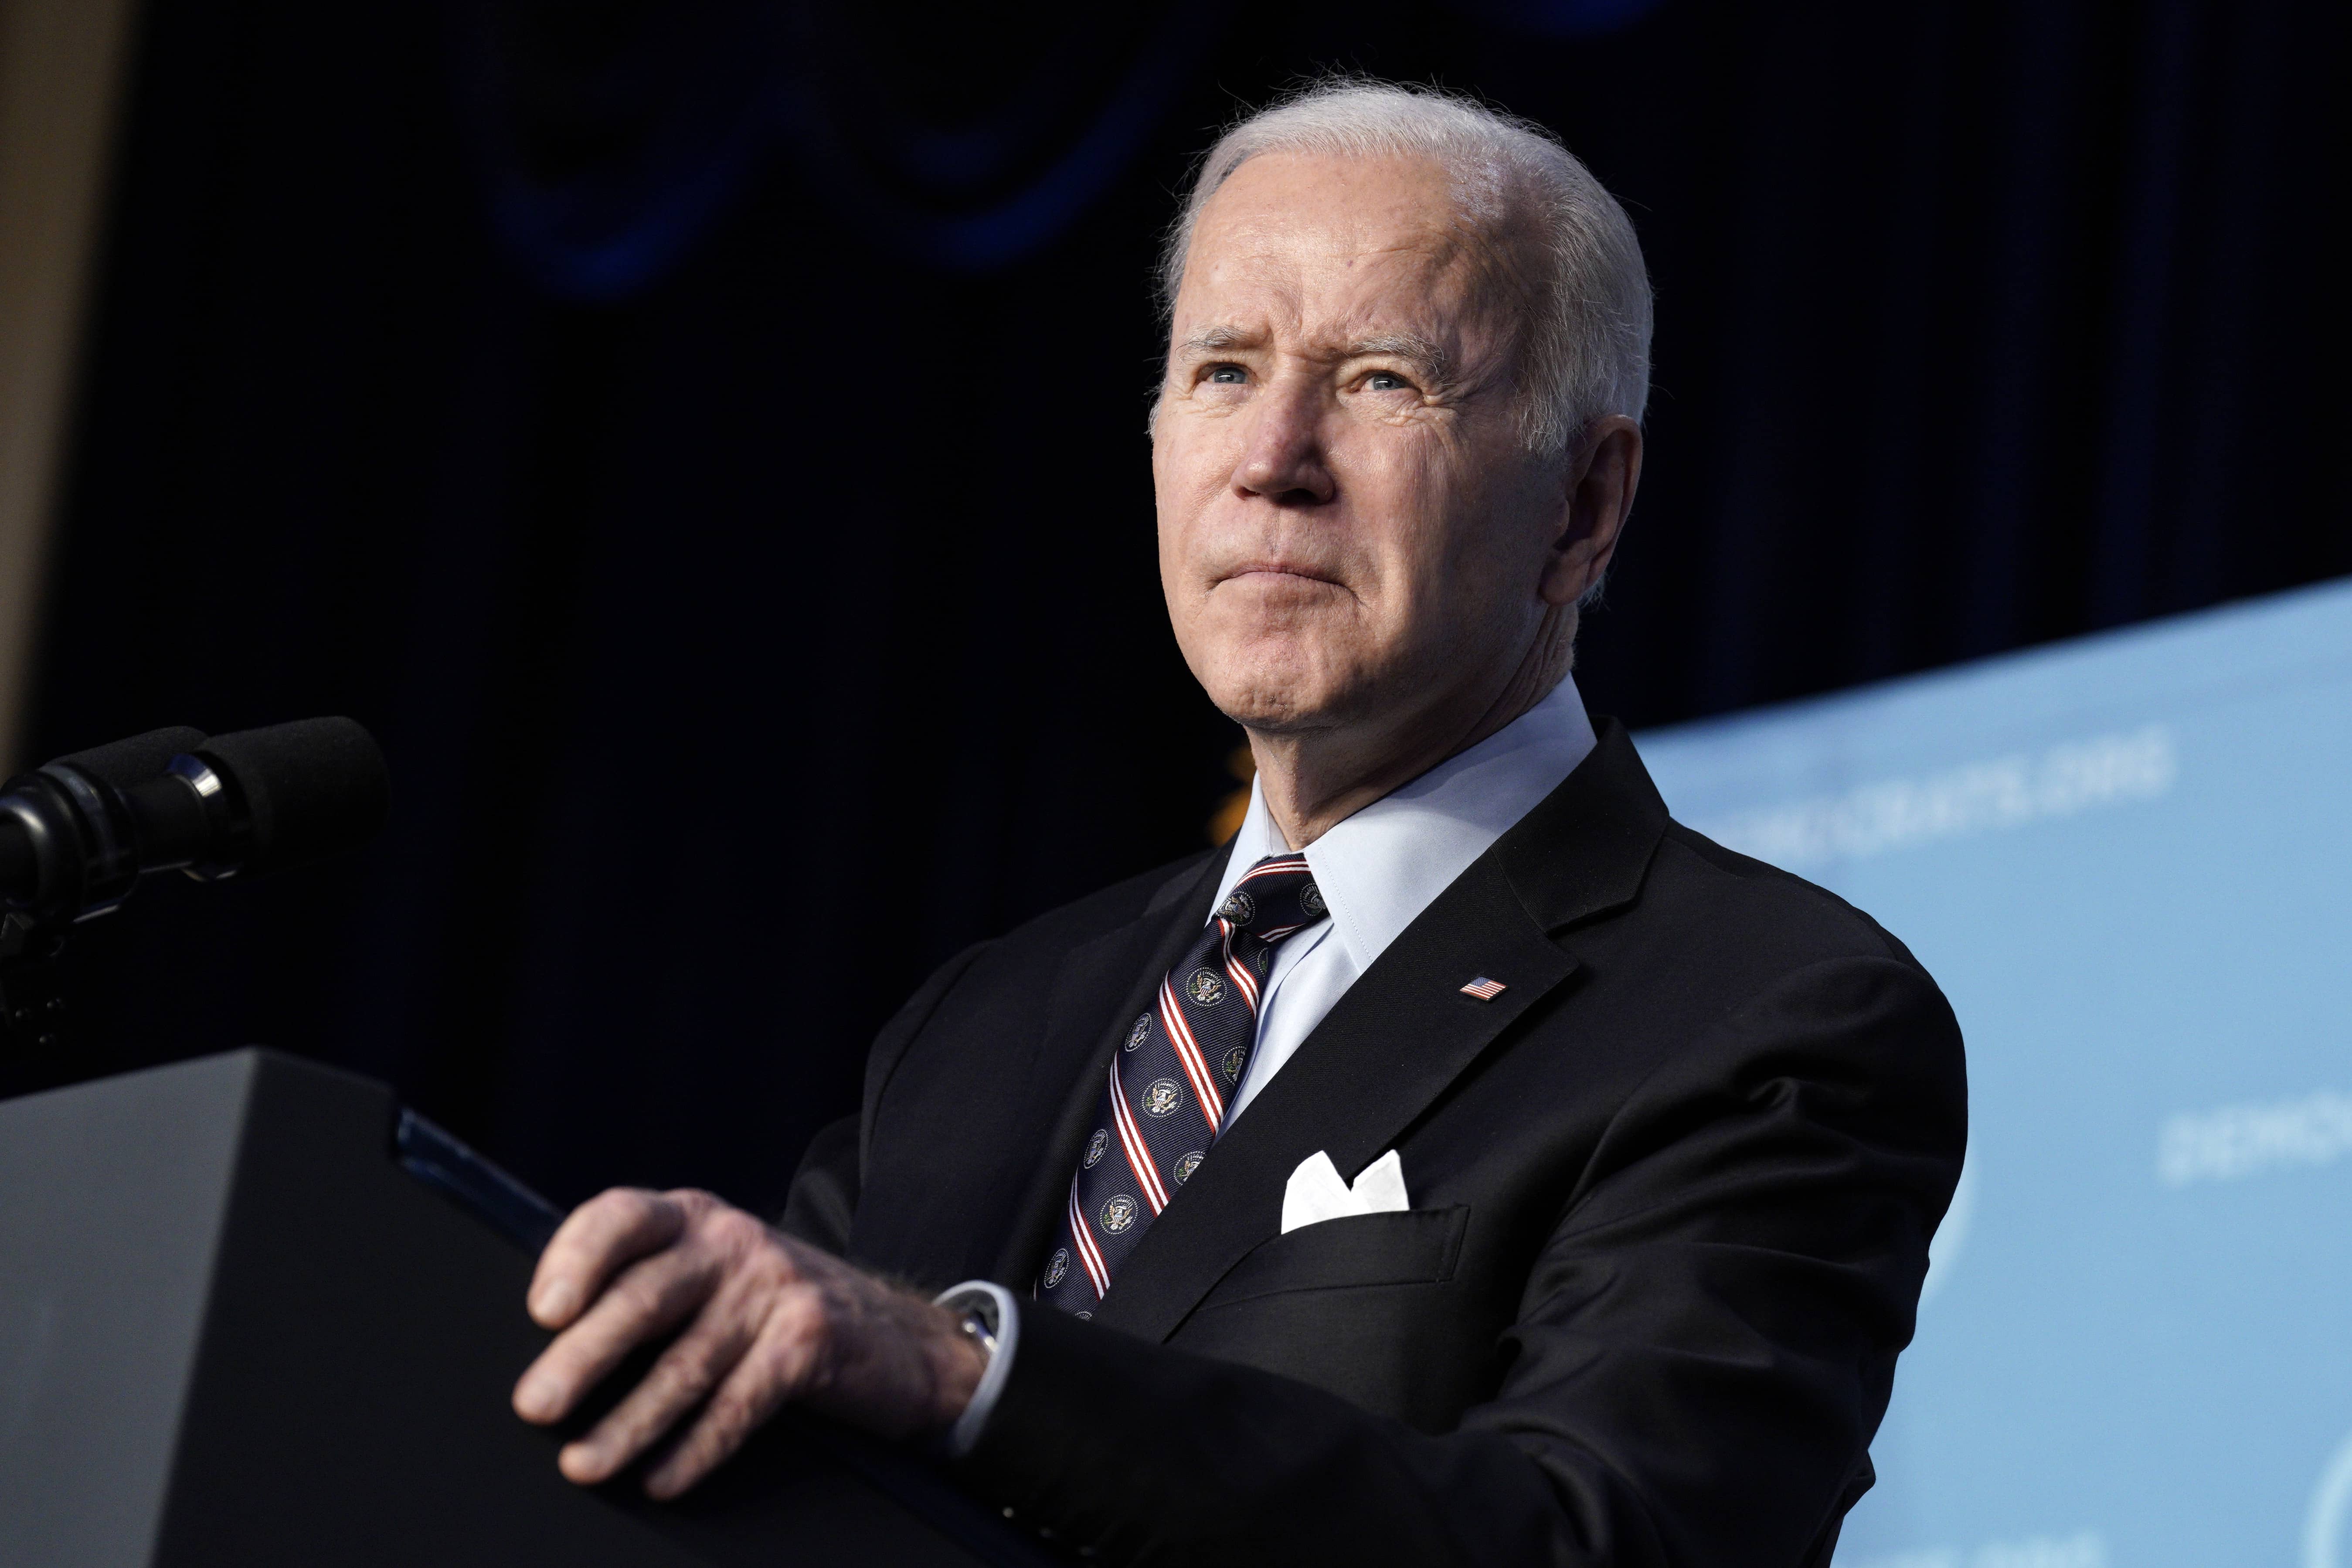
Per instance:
{"type": "Point", "coordinates": [236, 1327]}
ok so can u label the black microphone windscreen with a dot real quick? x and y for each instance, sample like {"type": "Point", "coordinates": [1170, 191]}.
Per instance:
{"type": "Point", "coordinates": [314, 787]}
{"type": "Point", "coordinates": [126, 764]}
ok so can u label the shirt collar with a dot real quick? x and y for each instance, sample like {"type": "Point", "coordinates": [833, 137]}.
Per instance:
{"type": "Point", "coordinates": [1381, 868]}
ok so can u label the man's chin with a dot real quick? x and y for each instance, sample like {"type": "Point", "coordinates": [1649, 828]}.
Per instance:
{"type": "Point", "coordinates": [1281, 675]}
{"type": "Point", "coordinates": [1276, 703]}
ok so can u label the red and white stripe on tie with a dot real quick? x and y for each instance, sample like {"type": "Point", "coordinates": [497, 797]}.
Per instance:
{"type": "Point", "coordinates": [1132, 1144]}
{"type": "Point", "coordinates": [1244, 983]}
{"type": "Point", "coordinates": [1090, 1256]}
{"type": "Point", "coordinates": [1188, 1056]}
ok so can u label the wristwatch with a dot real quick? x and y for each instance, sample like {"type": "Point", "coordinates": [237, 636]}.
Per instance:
{"type": "Point", "coordinates": [982, 1331]}
{"type": "Point", "coordinates": [987, 1312]}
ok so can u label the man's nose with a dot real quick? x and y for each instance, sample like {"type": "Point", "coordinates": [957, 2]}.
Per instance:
{"type": "Point", "coordinates": [1286, 461]}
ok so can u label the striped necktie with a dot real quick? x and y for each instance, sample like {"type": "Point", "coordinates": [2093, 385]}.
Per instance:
{"type": "Point", "coordinates": [1165, 1098]}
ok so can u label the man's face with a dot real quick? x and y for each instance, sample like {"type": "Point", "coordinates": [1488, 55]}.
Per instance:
{"type": "Point", "coordinates": [1352, 532]}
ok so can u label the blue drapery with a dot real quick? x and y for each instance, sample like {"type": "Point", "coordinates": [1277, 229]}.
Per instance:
{"type": "Point", "coordinates": [683, 103]}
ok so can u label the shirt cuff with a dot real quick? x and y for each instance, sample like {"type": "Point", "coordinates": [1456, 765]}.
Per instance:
{"type": "Point", "coordinates": [996, 1307]}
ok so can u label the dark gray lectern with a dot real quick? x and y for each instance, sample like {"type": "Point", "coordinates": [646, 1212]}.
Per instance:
{"type": "Point", "coordinates": [234, 1330]}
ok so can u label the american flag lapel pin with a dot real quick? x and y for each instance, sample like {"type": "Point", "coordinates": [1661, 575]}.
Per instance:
{"type": "Point", "coordinates": [1483, 989]}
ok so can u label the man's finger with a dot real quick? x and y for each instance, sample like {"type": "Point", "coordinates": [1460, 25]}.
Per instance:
{"type": "Point", "coordinates": [653, 1296]}
{"type": "Point", "coordinates": [687, 1372]}
{"type": "Point", "coordinates": [602, 1236]}
{"type": "Point", "coordinates": [776, 1367]}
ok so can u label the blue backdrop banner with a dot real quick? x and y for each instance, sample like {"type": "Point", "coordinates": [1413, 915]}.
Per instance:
{"type": "Point", "coordinates": [2128, 861]}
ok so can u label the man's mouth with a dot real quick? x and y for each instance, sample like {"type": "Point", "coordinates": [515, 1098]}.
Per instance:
{"type": "Point", "coordinates": [1270, 571]}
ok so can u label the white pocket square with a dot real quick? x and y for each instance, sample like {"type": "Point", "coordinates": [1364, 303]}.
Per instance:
{"type": "Point", "coordinates": [1317, 1193]}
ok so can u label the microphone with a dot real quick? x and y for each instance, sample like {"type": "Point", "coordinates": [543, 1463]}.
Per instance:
{"type": "Point", "coordinates": [77, 832]}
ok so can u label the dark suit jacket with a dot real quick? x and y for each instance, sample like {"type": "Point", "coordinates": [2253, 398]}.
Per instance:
{"type": "Point", "coordinates": [1672, 1192]}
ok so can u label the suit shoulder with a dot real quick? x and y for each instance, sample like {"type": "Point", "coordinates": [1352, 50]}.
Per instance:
{"type": "Point", "coordinates": [1801, 918]}
{"type": "Point", "coordinates": [1751, 947]}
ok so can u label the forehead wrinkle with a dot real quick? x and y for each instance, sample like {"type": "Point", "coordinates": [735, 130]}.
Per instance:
{"type": "Point", "coordinates": [1467, 222]}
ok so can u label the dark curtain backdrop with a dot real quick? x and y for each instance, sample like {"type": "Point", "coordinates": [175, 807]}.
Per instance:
{"type": "Point", "coordinates": [705, 441]}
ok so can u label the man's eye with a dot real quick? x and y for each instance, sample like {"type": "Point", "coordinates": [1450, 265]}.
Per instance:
{"type": "Point", "coordinates": [1228, 375]}
{"type": "Point", "coordinates": [1385, 381]}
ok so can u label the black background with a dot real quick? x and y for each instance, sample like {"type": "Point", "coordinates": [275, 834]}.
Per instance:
{"type": "Point", "coordinates": [705, 442]}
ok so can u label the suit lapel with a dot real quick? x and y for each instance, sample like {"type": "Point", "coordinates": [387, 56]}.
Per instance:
{"type": "Point", "coordinates": [1100, 987]}
{"type": "Point", "coordinates": [1403, 1032]}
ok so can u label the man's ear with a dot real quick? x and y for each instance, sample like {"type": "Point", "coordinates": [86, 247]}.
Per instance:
{"type": "Point", "coordinates": [1603, 470]}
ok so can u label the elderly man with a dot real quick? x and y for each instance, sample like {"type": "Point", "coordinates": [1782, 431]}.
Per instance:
{"type": "Point", "coordinates": [1467, 1164]}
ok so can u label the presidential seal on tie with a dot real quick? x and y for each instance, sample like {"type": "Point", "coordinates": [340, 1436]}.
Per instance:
{"type": "Point", "coordinates": [1206, 987]}
{"type": "Point", "coordinates": [1118, 1213]}
{"type": "Point", "coordinates": [1096, 1146]}
{"type": "Point", "coordinates": [1162, 1096]}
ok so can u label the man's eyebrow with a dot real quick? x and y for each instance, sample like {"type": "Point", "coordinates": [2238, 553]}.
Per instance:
{"type": "Point", "coordinates": [1409, 347]}
{"type": "Point", "coordinates": [1215, 339]}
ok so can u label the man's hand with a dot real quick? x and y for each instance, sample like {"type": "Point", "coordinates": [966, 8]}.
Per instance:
{"type": "Point", "coordinates": [765, 1320]}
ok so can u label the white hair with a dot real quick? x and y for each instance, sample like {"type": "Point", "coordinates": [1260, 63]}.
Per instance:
{"type": "Point", "coordinates": [1586, 297]}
